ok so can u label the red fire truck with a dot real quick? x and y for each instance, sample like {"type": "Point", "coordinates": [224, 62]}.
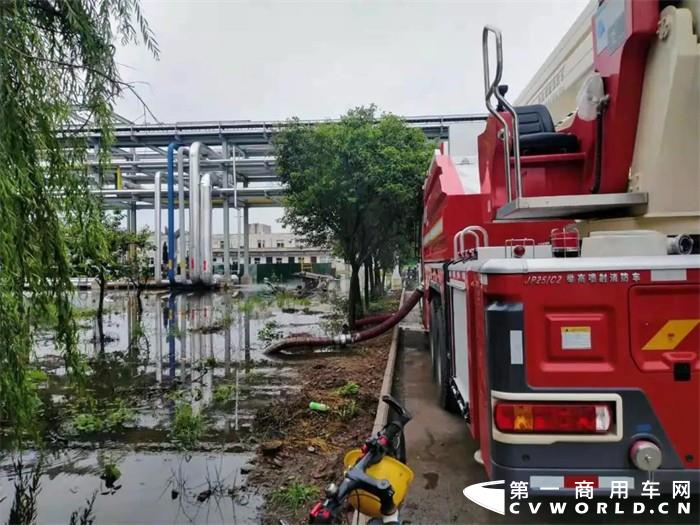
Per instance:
{"type": "Point", "coordinates": [562, 288]}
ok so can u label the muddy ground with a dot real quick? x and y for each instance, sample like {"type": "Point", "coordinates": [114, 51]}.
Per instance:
{"type": "Point", "coordinates": [302, 446]}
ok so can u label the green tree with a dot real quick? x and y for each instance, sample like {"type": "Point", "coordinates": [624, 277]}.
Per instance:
{"type": "Point", "coordinates": [104, 250]}
{"type": "Point", "coordinates": [55, 55]}
{"type": "Point", "coordinates": [354, 185]}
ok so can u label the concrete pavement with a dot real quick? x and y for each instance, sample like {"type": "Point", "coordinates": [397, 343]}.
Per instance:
{"type": "Point", "coordinates": [439, 448]}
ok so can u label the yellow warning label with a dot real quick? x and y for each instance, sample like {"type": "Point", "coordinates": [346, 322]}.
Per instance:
{"type": "Point", "coordinates": [576, 337]}
{"type": "Point", "coordinates": [671, 334]}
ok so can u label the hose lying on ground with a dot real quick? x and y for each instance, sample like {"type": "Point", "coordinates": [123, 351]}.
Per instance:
{"type": "Point", "coordinates": [355, 337]}
{"type": "Point", "coordinates": [371, 319]}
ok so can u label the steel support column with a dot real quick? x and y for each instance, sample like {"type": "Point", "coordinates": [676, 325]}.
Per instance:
{"type": "Point", "coordinates": [131, 222]}
{"type": "Point", "coordinates": [172, 147]}
{"type": "Point", "coordinates": [157, 266]}
{"type": "Point", "coordinates": [246, 279]}
{"type": "Point", "coordinates": [224, 183]}
{"type": "Point", "coordinates": [132, 216]}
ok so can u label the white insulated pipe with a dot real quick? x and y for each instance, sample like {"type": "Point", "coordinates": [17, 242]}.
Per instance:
{"type": "Point", "coordinates": [195, 227]}
{"type": "Point", "coordinates": [182, 242]}
{"type": "Point", "coordinates": [205, 274]}
{"type": "Point", "coordinates": [157, 265]}
{"type": "Point", "coordinates": [159, 337]}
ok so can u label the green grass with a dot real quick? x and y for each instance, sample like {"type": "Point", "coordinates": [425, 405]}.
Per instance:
{"type": "Point", "coordinates": [288, 299]}
{"type": "Point", "coordinates": [223, 394]}
{"type": "Point", "coordinates": [187, 427]}
{"type": "Point", "coordinates": [349, 389]}
{"type": "Point", "coordinates": [85, 313]}
{"type": "Point", "coordinates": [254, 377]}
{"type": "Point", "coordinates": [348, 410]}
{"type": "Point", "coordinates": [93, 421]}
{"type": "Point", "coordinates": [111, 473]}
{"type": "Point", "coordinates": [304, 301]}
{"type": "Point", "coordinates": [269, 332]}
{"type": "Point", "coordinates": [385, 304]}
{"type": "Point", "coordinates": [251, 304]}
{"type": "Point", "coordinates": [37, 377]}
{"type": "Point", "coordinates": [294, 496]}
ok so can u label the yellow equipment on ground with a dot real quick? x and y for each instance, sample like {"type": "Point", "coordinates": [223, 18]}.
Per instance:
{"type": "Point", "coordinates": [398, 474]}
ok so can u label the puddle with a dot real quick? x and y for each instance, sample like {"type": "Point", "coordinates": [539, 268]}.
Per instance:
{"type": "Point", "coordinates": [192, 356]}
{"type": "Point", "coordinates": [153, 488]}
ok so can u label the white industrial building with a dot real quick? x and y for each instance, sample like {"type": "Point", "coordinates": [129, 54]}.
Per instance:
{"type": "Point", "coordinates": [266, 247]}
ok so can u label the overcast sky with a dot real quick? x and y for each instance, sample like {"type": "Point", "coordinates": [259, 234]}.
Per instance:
{"type": "Point", "coordinates": [225, 60]}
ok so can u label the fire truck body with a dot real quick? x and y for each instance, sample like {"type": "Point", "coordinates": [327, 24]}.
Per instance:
{"type": "Point", "coordinates": [562, 327]}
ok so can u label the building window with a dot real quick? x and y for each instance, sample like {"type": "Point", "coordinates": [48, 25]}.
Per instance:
{"type": "Point", "coordinates": [268, 260]}
{"type": "Point", "coordinates": [291, 259]}
{"type": "Point", "coordinates": [278, 260]}
{"type": "Point", "coordinates": [256, 260]}
{"type": "Point", "coordinates": [152, 260]}
{"type": "Point", "coordinates": [313, 259]}
{"type": "Point", "coordinates": [280, 244]}
{"type": "Point", "coordinates": [261, 243]}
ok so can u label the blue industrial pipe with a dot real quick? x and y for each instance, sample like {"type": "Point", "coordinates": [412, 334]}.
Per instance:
{"type": "Point", "coordinates": [171, 211]}
{"type": "Point", "coordinates": [172, 311]}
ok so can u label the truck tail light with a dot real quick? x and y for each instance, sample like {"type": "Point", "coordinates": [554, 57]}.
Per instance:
{"type": "Point", "coordinates": [552, 418]}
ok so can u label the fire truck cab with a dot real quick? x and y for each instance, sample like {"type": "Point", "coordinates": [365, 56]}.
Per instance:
{"type": "Point", "coordinates": [561, 266]}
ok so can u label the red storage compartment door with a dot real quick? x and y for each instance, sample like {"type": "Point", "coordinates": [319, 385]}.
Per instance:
{"type": "Point", "coordinates": [665, 326]}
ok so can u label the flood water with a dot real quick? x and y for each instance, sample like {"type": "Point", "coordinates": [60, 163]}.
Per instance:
{"type": "Point", "coordinates": [182, 356]}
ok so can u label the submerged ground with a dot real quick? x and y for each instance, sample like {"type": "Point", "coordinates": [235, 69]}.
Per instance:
{"type": "Point", "coordinates": [161, 433]}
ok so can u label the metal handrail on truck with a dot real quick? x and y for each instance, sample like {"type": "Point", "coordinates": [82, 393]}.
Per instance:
{"type": "Point", "coordinates": [491, 89]}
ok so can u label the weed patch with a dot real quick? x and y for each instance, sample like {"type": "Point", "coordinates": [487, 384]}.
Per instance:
{"type": "Point", "coordinates": [294, 496]}
{"type": "Point", "coordinates": [110, 474]}
{"type": "Point", "coordinates": [269, 332]}
{"type": "Point", "coordinates": [187, 427]}
{"type": "Point", "coordinates": [223, 394]}
{"type": "Point", "coordinates": [348, 410]}
{"type": "Point", "coordinates": [251, 304]}
{"type": "Point", "coordinates": [94, 420]}
{"type": "Point", "coordinates": [349, 389]}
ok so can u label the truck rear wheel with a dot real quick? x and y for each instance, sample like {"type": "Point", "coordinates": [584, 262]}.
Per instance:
{"type": "Point", "coordinates": [435, 331]}
{"type": "Point", "coordinates": [439, 350]}
{"type": "Point", "coordinates": [445, 397]}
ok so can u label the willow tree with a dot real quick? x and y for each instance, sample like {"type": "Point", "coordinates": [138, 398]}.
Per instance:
{"type": "Point", "coordinates": [55, 55]}
{"type": "Point", "coordinates": [354, 185]}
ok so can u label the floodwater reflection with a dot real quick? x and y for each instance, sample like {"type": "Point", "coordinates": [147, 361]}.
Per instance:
{"type": "Point", "coordinates": [199, 351]}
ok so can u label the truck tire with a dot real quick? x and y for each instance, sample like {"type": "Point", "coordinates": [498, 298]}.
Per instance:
{"type": "Point", "coordinates": [435, 336]}
{"type": "Point", "coordinates": [443, 375]}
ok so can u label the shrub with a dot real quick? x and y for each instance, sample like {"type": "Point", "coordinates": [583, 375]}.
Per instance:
{"type": "Point", "coordinates": [187, 427]}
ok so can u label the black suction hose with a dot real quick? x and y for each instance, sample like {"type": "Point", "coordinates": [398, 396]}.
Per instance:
{"type": "Point", "coordinates": [355, 337]}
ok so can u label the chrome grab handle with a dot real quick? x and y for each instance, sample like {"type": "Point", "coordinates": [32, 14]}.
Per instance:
{"type": "Point", "coordinates": [491, 89]}
{"type": "Point", "coordinates": [455, 252]}
{"type": "Point", "coordinates": [482, 230]}
{"type": "Point", "coordinates": [461, 238]}
{"type": "Point", "coordinates": [458, 241]}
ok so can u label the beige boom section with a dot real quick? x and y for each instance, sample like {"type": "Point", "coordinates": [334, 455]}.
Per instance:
{"type": "Point", "coordinates": [559, 79]}
{"type": "Point", "coordinates": [666, 162]}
